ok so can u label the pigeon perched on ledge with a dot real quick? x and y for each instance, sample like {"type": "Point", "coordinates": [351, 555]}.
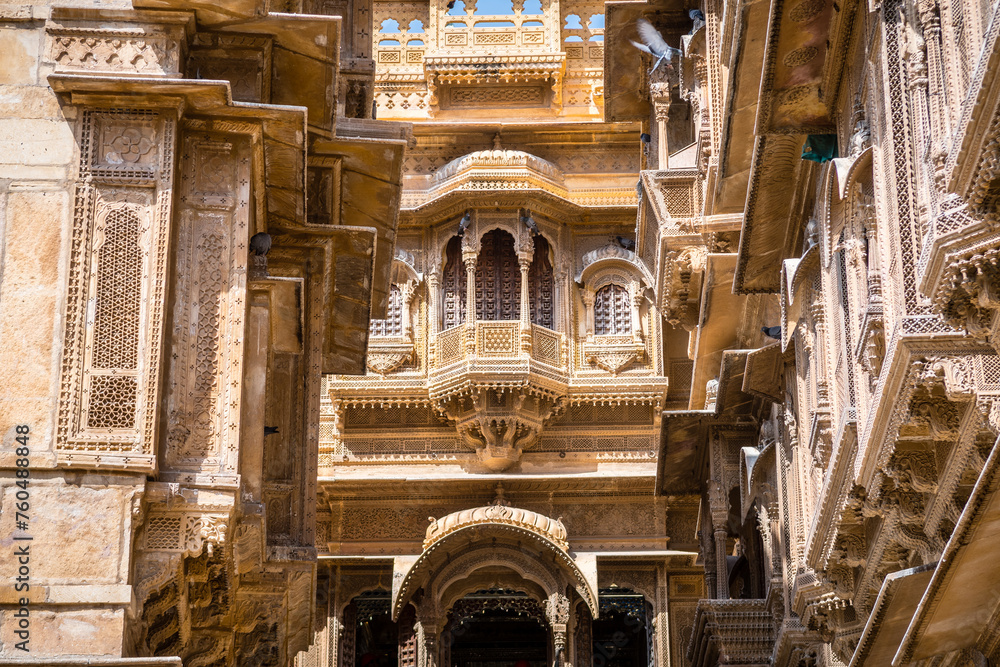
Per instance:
{"type": "Point", "coordinates": [628, 244]}
{"type": "Point", "coordinates": [530, 223]}
{"type": "Point", "coordinates": [772, 332]}
{"type": "Point", "coordinates": [464, 223]}
{"type": "Point", "coordinates": [698, 17]}
{"type": "Point", "coordinates": [260, 243]}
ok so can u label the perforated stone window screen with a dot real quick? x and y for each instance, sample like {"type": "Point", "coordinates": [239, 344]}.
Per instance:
{"type": "Point", "coordinates": [164, 533]}
{"type": "Point", "coordinates": [612, 312]}
{"type": "Point", "coordinates": [392, 324]}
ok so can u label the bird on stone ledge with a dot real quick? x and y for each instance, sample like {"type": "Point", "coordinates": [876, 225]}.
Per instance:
{"type": "Point", "coordinates": [698, 17]}
{"type": "Point", "coordinates": [464, 223]}
{"type": "Point", "coordinates": [628, 244]}
{"type": "Point", "coordinates": [772, 332]}
{"type": "Point", "coordinates": [529, 222]}
{"type": "Point", "coordinates": [260, 243]}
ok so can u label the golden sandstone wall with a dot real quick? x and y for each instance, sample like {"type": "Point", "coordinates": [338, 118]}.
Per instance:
{"type": "Point", "coordinates": [144, 349]}
{"type": "Point", "coordinates": [80, 522]}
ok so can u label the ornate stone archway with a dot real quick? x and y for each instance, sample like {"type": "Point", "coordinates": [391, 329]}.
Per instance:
{"type": "Point", "coordinates": [470, 549]}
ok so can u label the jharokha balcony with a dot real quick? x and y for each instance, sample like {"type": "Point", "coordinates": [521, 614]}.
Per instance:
{"type": "Point", "coordinates": [499, 382]}
{"type": "Point", "coordinates": [544, 344]}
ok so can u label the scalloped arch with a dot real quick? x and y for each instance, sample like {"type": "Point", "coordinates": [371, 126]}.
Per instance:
{"type": "Point", "coordinates": [426, 572]}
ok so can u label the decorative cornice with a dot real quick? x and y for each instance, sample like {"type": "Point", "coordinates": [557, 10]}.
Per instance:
{"type": "Point", "coordinates": [499, 159]}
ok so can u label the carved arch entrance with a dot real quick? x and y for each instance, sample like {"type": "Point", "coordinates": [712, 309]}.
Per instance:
{"type": "Point", "coordinates": [496, 547]}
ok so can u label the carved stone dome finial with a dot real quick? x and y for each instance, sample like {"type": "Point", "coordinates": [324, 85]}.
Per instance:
{"type": "Point", "coordinates": [500, 500]}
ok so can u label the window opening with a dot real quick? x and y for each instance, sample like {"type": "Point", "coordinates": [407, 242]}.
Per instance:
{"type": "Point", "coordinates": [573, 23]}
{"type": "Point", "coordinates": [532, 8]}
{"type": "Point", "coordinates": [392, 324]}
{"type": "Point", "coordinates": [612, 312]}
{"type": "Point", "coordinates": [457, 10]}
{"type": "Point", "coordinates": [498, 278]}
{"type": "Point", "coordinates": [389, 26]}
{"type": "Point", "coordinates": [596, 22]}
{"type": "Point", "coordinates": [494, 8]}
{"type": "Point", "coordinates": [416, 26]}
{"type": "Point", "coordinates": [541, 284]}
{"type": "Point", "coordinates": [454, 285]}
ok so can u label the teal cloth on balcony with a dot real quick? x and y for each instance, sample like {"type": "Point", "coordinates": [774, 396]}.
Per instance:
{"type": "Point", "coordinates": [820, 147]}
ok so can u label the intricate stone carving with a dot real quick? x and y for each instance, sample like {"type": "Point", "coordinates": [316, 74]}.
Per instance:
{"type": "Point", "coordinates": [108, 398]}
{"type": "Point", "coordinates": [498, 512]}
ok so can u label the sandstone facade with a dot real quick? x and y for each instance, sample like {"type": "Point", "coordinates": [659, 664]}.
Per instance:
{"type": "Point", "coordinates": [555, 358]}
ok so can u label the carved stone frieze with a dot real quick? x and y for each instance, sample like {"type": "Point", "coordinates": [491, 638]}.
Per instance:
{"type": "Point", "coordinates": [124, 47]}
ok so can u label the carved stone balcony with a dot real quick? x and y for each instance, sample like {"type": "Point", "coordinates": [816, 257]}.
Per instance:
{"type": "Point", "coordinates": [499, 383]}
{"type": "Point", "coordinates": [731, 632]}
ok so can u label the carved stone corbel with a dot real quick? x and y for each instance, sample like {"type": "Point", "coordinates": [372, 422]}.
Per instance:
{"type": "Point", "coordinates": [204, 533]}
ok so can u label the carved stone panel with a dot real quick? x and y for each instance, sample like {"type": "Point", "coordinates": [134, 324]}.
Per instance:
{"type": "Point", "coordinates": [207, 351]}
{"type": "Point", "coordinates": [110, 369]}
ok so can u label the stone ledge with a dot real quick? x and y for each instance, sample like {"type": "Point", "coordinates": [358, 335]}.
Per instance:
{"type": "Point", "coordinates": [98, 662]}
{"type": "Point", "coordinates": [84, 594]}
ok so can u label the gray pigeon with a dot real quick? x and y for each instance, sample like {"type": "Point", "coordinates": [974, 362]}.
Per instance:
{"type": "Point", "coordinates": [698, 17]}
{"type": "Point", "coordinates": [464, 223]}
{"type": "Point", "coordinates": [654, 44]}
{"type": "Point", "coordinates": [628, 244]}
{"type": "Point", "coordinates": [260, 243]}
{"type": "Point", "coordinates": [530, 223]}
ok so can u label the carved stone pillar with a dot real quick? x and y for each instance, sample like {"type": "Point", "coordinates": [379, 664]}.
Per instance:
{"type": "Point", "coordinates": [635, 291]}
{"type": "Point", "coordinates": [722, 570]}
{"type": "Point", "coordinates": [469, 259]}
{"type": "Point", "coordinates": [867, 211]}
{"type": "Point", "coordinates": [557, 613]}
{"type": "Point", "coordinates": [588, 303]}
{"type": "Point", "coordinates": [433, 311]}
{"type": "Point", "coordinates": [819, 326]}
{"type": "Point", "coordinates": [660, 92]}
{"type": "Point", "coordinates": [719, 511]}
{"type": "Point", "coordinates": [524, 262]}
{"type": "Point", "coordinates": [406, 292]}
{"type": "Point", "coordinates": [427, 627]}
{"type": "Point", "coordinates": [708, 549]}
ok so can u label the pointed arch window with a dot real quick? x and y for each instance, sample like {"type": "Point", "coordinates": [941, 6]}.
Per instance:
{"type": "Point", "coordinates": [392, 325]}
{"type": "Point", "coordinates": [498, 278]}
{"type": "Point", "coordinates": [454, 284]}
{"type": "Point", "coordinates": [540, 285]}
{"type": "Point", "coordinates": [612, 311]}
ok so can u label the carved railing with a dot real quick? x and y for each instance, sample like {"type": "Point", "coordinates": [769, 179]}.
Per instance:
{"type": "Point", "coordinates": [451, 345]}
{"type": "Point", "coordinates": [499, 341]}
{"type": "Point", "coordinates": [546, 345]}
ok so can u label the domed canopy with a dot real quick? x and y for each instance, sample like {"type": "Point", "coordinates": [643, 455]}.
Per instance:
{"type": "Point", "coordinates": [552, 529]}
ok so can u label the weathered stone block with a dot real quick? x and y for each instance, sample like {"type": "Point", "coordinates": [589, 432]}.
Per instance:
{"type": "Point", "coordinates": [77, 533]}
{"type": "Point", "coordinates": [33, 142]}
{"type": "Point", "coordinates": [81, 632]}
{"type": "Point", "coordinates": [19, 55]}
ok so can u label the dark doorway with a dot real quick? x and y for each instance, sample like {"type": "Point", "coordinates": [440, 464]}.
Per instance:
{"type": "Point", "coordinates": [497, 629]}
{"type": "Point", "coordinates": [620, 638]}
{"type": "Point", "coordinates": [376, 636]}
